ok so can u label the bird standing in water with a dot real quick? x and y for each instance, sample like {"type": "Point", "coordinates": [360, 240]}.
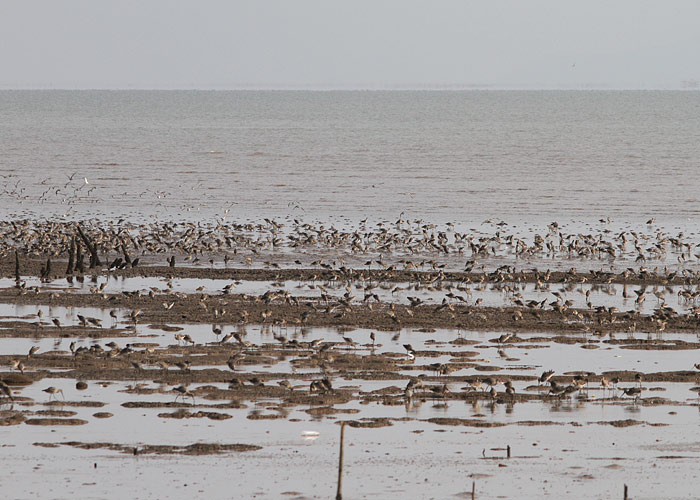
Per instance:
{"type": "Point", "coordinates": [184, 392]}
{"type": "Point", "coordinates": [633, 392]}
{"type": "Point", "coordinates": [52, 391]}
{"type": "Point", "coordinates": [5, 389]}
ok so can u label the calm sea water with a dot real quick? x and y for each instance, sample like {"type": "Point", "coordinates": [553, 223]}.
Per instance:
{"type": "Point", "coordinates": [444, 156]}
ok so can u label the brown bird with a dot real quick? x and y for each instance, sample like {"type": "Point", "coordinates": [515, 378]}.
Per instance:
{"type": "Point", "coordinates": [233, 360]}
{"type": "Point", "coordinates": [95, 322]}
{"type": "Point", "coordinates": [183, 365]}
{"type": "Point", "coordinates": [633, 391]}
{"type": "Point", "coordinates": [475, 385]}
{"type": "Point", "coordinates": [546, 376]}
{"type": "Point", "coordinates": [410, 350]}
{"type": "Point", "coordinates": [440, 390]}
{"type": "Point", "coordinates": [285, 384]}
{"type": "Point", "coordinates": [505, 338]}
{"type": "Point", "coordinates": [52, 391]}
{"type": "Point", "coordinates": [184, 392]}
{"type": "Point", "coordinates": [5, 389]}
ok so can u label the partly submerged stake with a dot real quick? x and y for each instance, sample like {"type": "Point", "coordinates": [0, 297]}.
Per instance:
{"type": "Point", "coordinates": [339, 494]}
{"type": "Point", "coordinates": [17, 275]}
{"type": "Point", "coordinates": [92, 248]}
{"type": "Point", "coordinates": [79, 264]}
{"type": "Point", "coordinates": [71, 257]}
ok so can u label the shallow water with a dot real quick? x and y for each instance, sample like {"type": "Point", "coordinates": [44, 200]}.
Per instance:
{"type": "Point", "coordinates": [519, 356]}
{"type": "Point", "coordinates": [488, 295]}
{"type": "Point", "coordinates": [417, 458]}
{"type": "Point", "coordinates": [472, 158]}
{"type": "Point", "coordinates": [442, 155]}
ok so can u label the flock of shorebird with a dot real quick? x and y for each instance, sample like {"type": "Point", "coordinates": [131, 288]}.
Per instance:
{"type": "Point", "coordinates": [322, 349]}
{"type": "Point", "coordinates": [390, 242]}
{"type": "Point", "coordinates": [323, 355]}
{"type": "Point", "coordinates": [403, 245]}
{"type": "Point", "coordinates": [556, 390]}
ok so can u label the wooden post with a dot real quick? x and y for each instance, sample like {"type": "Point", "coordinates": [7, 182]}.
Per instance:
{"type": "Point", "coordinates": [17, 276]}
{"type": "Point", "coordinates": [508, 450]}
{"type": "Point", "coordinates": [71, 257]}
{"type": "Point", "coordinates": [79, 264]}
{"type": "Point", "coordinates": [127, 258]}
{"type": "Point", "coordinates": [473, 490]}
{"type": "Point", "coordinates": [339, 494]}
{"type": "Point", "coordinates": [92, 248]}
{"type": "Point", "coordinates": [625, 492]}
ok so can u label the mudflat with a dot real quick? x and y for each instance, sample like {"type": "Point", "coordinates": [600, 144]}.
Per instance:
{"type": "Point", "coordinates": [209, 354]}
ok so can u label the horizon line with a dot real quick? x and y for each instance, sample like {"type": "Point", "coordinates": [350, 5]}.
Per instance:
{"type": "Point", "coordinates": [684, 84]}
{"type": "Point", "coordinates": [358, 88]}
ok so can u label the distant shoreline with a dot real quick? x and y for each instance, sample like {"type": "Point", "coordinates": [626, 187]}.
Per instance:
{"type": "Point", "coordinates": [321, 88]}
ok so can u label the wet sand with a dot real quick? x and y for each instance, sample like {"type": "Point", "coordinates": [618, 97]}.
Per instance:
{"type": "Point", "coordinates": [217, 373]}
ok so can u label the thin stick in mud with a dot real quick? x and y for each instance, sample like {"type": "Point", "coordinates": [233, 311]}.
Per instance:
{"type": "Point", "coordinates": [339, 493]}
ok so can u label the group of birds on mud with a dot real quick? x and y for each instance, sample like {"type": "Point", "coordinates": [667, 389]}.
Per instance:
{"type": "Point", "coordinates": [577, 383]}
{"type": "Point", "coordinates": [403, 245]}
{"type": "Point", "coordinates": [322, 350]}
{"type": "Point", "coordinates": [390, 243]}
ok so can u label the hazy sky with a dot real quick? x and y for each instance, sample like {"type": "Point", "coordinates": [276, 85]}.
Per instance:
{"type": "Point", "coordinates": [362, 44]}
